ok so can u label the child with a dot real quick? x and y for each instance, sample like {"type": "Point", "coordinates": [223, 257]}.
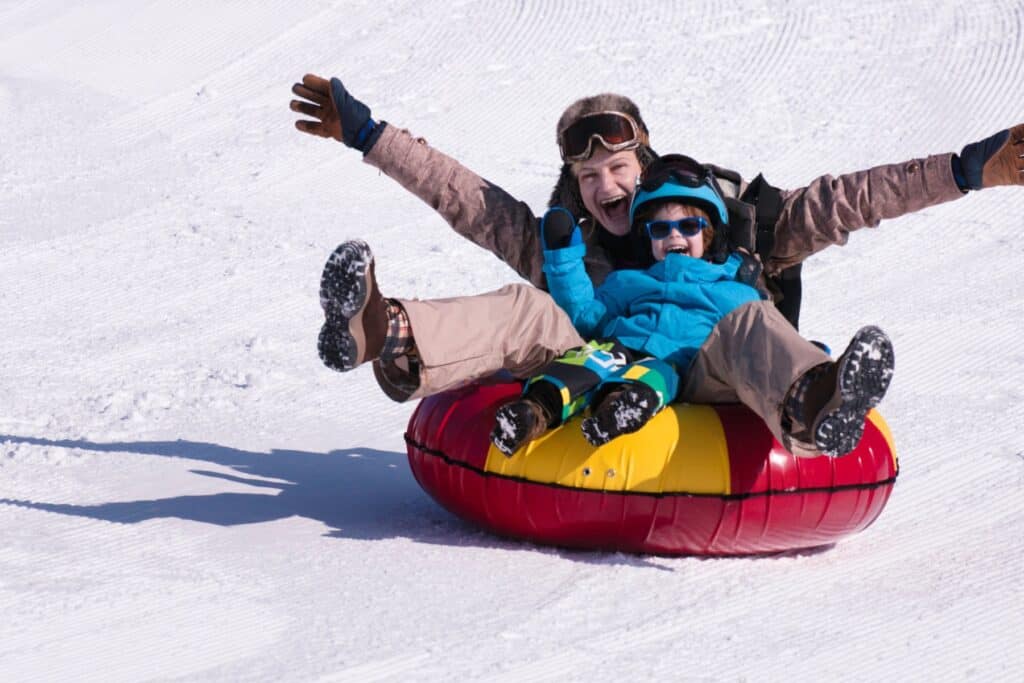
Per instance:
{"type": "Point", "coordinates": [663, 340]}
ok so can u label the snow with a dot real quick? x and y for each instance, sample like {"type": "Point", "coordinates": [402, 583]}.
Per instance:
{"type": "Point", "coordinates": [187, 493]}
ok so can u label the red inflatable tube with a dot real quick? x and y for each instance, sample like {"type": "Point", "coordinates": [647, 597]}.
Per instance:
{"type": "Point", "coordinates": [697, 480]}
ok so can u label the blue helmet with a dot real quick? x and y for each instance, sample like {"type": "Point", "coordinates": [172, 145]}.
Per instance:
{"type": "Point", "coordinates": [675, 177]}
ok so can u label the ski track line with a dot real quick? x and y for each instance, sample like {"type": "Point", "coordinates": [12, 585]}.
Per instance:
{"type": "Point", "coordinates": [511, 620]}
{"type": "Point", "coordinates": [886, 26]}
{"type": "Point", "coordinates": [140, 651]}
{"type": "Point", "coordinates": [773, 51]}
{"type": "Point", "coordinates": [232, 76]}
{"type": "Point", "coordinates": [955, 73]}
{"type": "Point", "coordinates": [233, 81]}
{"type": "Point", "coordinates": [379, 670]}
{"type": "Point", "coordinates": [946, 68]}
{"type": "Point", "coordinates": [931, 524]}
{"type": "Point", "coordinates": [653, 627]}
{"type": "Point", "coordinates": [391, 666]}
{"type": "Point", "coordinates": [984, 67]}
{"type": "Point", "coordinates": [942, 653]}
{"type": "Point", "coordinates": [869, 630]}
{"type": "Point", "coordinates": [112, 560]}
{"type": "Point", "coordinates": [672, 625]}
{"type": "Point", "coordinates": [635, 636]}
{"type": "Point", "coordinates": [882, 25]}
{"type": "Point", "coordinates": [510, 52]}
{"type": "Point", "coordinates": [1010, 33]}
{"type": "Point", "coordinates": [494, 57]}
{"type": "Point", "coordinates": [975, 69]}
{"type": "Point", "coordinates": [178, 280]}
{"type": "Point", "coordinates": [514, 617]}
{"type": "Point", "coordinates": [983, 59]}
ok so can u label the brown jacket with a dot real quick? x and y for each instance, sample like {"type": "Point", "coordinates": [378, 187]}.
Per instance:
{"type": "Point", "coordinates": [813, 217]}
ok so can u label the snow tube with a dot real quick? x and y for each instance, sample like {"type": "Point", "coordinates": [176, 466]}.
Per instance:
{"type": "Point", "coordinates": [697, 480]}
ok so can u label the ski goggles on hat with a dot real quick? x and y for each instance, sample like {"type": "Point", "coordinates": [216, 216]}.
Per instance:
{"type": "Point", "coordinates": [613, 129]}
{"type": "Point", "coordinates": [687, 227]}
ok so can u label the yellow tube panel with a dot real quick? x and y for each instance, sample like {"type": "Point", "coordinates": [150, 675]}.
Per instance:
{"type": "Point", "coordinates": [653, 460]}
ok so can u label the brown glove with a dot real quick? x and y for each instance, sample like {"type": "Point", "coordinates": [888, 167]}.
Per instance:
{"type": "Point", "coordinates": [994, 161]}
{"type": "Point", "coordinates": [339, 115]}
{"type": "Point", "coordinates": [320, 107]}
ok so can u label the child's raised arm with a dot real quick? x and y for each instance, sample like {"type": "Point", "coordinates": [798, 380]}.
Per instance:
{"type": "Point", "coordinates": [567, 278]}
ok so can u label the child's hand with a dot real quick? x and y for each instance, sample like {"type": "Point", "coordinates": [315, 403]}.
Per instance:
{"type": "Point", "coordinates": [558, 229]}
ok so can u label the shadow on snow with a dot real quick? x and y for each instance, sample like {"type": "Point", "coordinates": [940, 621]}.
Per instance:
{"type": "Point", "coordinates": [357, 492]}
{"type": "Point", "coordinates": [360, 493]}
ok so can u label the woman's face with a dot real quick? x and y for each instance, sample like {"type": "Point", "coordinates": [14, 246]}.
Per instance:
{"type": "Point", "coordinates": [607, 180]}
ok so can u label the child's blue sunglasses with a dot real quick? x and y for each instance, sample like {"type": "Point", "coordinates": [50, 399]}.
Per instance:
{"type": "Point", "coordinates": [687, 227]}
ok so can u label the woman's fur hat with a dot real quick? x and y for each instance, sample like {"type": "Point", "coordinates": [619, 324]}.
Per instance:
{"type": "Point", "coordinates": [567, 189]}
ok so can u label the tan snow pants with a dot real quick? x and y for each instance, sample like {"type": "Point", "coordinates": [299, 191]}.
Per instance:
{"type": "Point", "coordinates": [752, 356]}
{"type": "Point", "coordinates": [517, 328]}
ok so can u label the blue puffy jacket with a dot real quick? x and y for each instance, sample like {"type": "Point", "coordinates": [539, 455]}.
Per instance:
{"type": "Point", "coordinates": [666, 311]}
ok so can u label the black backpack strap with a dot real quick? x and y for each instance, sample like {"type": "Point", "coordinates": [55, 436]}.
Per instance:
{"type": "Point", "coordinates": [742, 230]}
{"type": "Point", "coordinates": [788, 282]}
{"type": "Point", "coordinates": [767, 202]}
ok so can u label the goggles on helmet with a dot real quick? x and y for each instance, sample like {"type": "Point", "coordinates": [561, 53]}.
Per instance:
{"type": "Point", "coordinates": [687, 227]}
{"type": "Point", "coordinates": [613, 129]}
{"type": "Point", "coordinates": [682, 169]}
{"type": "Point", "coordinates": [679, 177]}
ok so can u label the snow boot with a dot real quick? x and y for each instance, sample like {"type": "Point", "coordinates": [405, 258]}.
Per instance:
{"type": "Point", "coordinates": [827, 407]}
{"type": "Point", "coordinates": [518, 423]}
{"type": "Point", "coordinates": [622, 411]}
{"type": "Point", "coordinates": [356, 314]}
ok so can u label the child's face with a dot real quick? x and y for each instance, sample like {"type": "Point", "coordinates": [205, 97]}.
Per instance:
{"type": "Point", "coordinates": [676, 242]}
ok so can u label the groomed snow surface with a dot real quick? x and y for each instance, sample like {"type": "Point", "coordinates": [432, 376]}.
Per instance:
{"type": "Point", "coordinates": [186, 493]}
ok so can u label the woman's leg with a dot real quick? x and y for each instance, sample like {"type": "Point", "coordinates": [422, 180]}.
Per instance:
{"type": "Point", "coordinates": [754, 356]}
{"type": "Point", "coordinates": [420, 348]}
{"type": "Point", "coordinates": [812, 405]}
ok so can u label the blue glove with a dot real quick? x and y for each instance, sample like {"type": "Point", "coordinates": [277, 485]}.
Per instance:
{"type": "Point", "coordinates": [996, 160]}
{"type": "Point", "coordinates": [358, 130]}
{"type": "Point", "coordinates": [558, 229]}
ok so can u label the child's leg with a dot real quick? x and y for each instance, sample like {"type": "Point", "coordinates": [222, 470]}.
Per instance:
{"type": "Point", "coordinates": [566, 386]}
{"type": "Point", "coordinates": [627, 400]}
{"type": "Point", "coordinates": [562, 390]}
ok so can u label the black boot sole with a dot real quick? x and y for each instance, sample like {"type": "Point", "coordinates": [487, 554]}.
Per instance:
{"type": "Point", "coordinates": [863, 375]}
{"type": "Point", "coordinates": [624, 414]}
{"type": "Point", "coordinates": [513, 424]}
{"type": "Point", "coordinates": [344, 290]}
